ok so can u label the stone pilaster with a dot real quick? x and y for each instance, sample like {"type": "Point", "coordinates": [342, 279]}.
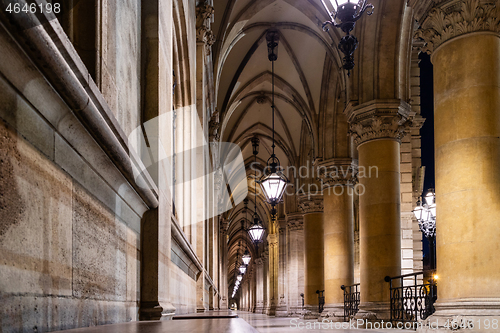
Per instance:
{"type": "Point", "coordinates": [273, 274]}
{"type": "Point", "coordinates": [338, 177]}
{"type": "Point", "coordinates": [312, 208]}
{"type": "Point", "coordinates": [464, 39]}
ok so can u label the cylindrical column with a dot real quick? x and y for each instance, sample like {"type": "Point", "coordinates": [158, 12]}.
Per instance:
{"type": "Point", "coordinates": [380, 226]}
{"type": "Point", "coordinates": [281, 309]}
{"type": "Point", "coordinates": [259, 290]}
{"type": "Point", "coordinates": [338, 228]}
{"type": "Point", "coordinates": [273, 277]}
{"type": "Point", "coordinates": [467, 143]}
{"type": "Point", "coordinates": [377, 128]}
{"type": "Point", "coordinates": [295, 262]}
{"type": "Point", "coordinates": [312, 207]}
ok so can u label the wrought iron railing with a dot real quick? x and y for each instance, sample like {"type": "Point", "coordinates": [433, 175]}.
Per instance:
{"type": "Point", "coordinates": [321, 300]}
{"type": "Point", "coordinates": [351, 300]}
{"type": "Point", "coordinates": [411, 300]}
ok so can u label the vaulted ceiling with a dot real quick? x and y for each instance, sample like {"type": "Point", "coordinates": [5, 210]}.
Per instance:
{"type": "Point", "coordinates": [311, 88]}
{"type": "Point", "coordinates": [243, 86]}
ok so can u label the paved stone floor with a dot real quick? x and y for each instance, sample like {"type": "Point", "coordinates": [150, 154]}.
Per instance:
{"type": "Point", "coordinates": [265, 324]}
{"type": "Point", "coordinates": [226, 321]}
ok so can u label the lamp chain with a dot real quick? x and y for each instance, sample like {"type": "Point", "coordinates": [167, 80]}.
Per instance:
{"type": "Point", "coordinates": [272, 105]}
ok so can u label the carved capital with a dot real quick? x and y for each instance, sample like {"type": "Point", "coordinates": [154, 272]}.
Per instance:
{"type": "Point", "coordinates": [295, 221]}
{"type": "Point", "coordinates": [338, 171]}
{"type": "Point", "coordinates": [204, 34]}
{"type": "Point", "coordinates": [272, 239]}
{"type": "Point", "coordinates": [379, 119]}
{"type": "Point", "coordinates": [311, 204]}
{"type": "Point", "coordinates": [214, 127]}
{"type": "Point", "coordinates": [454, 18]}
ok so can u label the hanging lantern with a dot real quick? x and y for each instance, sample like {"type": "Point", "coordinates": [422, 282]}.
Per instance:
{"type": "Point", "coordinates": [273, 182]}
{"type": "Point", "coordinates": [246, 257]}
{"type": "Point", "coordinates": [256, 231]}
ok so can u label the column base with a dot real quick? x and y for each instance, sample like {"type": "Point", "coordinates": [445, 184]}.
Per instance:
{"type": "Point", "coordinates": [374, 312]}
{"type": "Point", "coordinates": [310, 312]}
{"type": "Point", "coordinates": [271, 310]}
{"type": "Point", "coordinates": [281, 311]}
{"type": "Point", "coordinates": [168, 310]}
{"type": "Point", "coordinates": [294, 310]}
{"type": "Point", "coordinates": [259, 309]}
{"type": "Point", "coordinates": [333, 312]}
{"type": "Point", "coordinates": [150, 311]}
{"type": "Point", "coordinates": [468, 315]}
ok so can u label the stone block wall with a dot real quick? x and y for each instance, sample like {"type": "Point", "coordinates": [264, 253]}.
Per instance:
{"type": "Point", "coordinates": [69, 220]}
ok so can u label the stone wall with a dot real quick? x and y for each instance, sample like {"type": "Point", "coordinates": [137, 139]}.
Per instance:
{"type": "Point", "coordinates": [69, 221]}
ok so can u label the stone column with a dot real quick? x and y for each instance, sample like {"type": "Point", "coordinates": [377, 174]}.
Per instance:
{"type": "Point", "coordinates": [223, 262]}
{"type": "Point", "coordinates": [273, 276]}
{"type": "Point", "coordinates": [259, 278]}
{"type": "Point", "coordinates": [295, 262]}
{"type": "Point", "coordinates": [377, 128]}
{"type": "Point", "coordinates": [265, 281]}
{"type": "Point", "coordinates": [465, 48]}
{"type": "Point", "coordinates": [281, 309]}
{"type": "Point", "coordinates": [312, 207]}
{"type": "Point", "coordinates": [338, 178]}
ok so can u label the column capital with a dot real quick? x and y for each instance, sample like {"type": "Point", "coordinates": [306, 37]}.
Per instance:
{"type": "Point", "coordinates": [338, 171]}
{"type": "Point", "coordinates": [311, 204]}
{"type": "Point", "coordinates": [453, 18]}
{"type": "Point", "coordinates": [295, 221]}
{"type": "Point", "coordinates": [379, 119]}
{"type": "Point", "coordinates": [272, 239]}
{"type": "Point", "coordinates": [204, 33]}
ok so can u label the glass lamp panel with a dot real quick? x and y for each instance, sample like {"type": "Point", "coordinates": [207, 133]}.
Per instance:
{"type": "Point", "coordinates": [432, 209]}
{"type": "Point", "coordinates": [429, 198]}
{"type": "Point", "coordinates": [273, 187]}
{"type": "Point", "coordinates": [336, 3]}
{"type": "Point", "coordinates": [426, 215]}
{"type": "Point", "coordinates": [239, 277]}
{"type": "Point", "coordinates": [246, 260]}
{"type": "Point", "coordinates": [243, 269]}
{"type": "Point", "coordinates": [256, 232]}
{"type": "Point", "coordinates": [418, 212]}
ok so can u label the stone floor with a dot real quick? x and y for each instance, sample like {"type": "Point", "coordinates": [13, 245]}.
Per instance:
{"type": "Point", "coordinates": [265, 324]}
{"type": "Point", "coordinates": [226, 321]}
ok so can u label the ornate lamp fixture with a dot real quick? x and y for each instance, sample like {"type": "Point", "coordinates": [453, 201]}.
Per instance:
{"type": "Point", "coordinates": [344, 15]}
{"type": "Point", "coordinates": [243, 269]}
{"type": "Point", "coordinates": [425, 213]}
{"type": "Point", "coordinates": [273, 182]}
{"type": "Point", "coordinates": [239, 277]}
{"type": "Point", "coordinates": [246, 257]}
{"type": "Point", "coordinates": [256, 231]}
